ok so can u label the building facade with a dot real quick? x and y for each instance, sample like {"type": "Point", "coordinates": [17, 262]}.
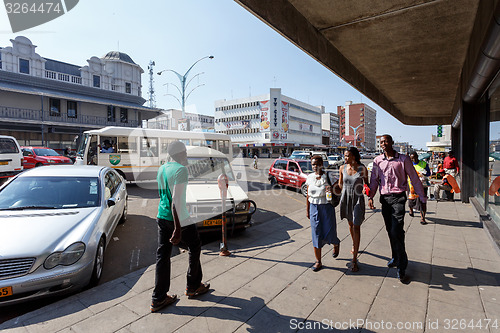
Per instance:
{"type": "Point", "coordinates": [48, 102]}
{"type": "Point", "coordinates": [270, 125]}
{"type": "Point", "coordinates": [172, 119]}
{"type": "Point", "coordinates": [358, 125]}
{"type": "Point", "coordinates": [442, 143]}
{"type": "Point", "coordinates": [330, 123]}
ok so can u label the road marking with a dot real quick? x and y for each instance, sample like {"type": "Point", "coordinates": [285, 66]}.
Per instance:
{"type": "Point", "coordinates": [134, 259]}
{"type": "Point", "coordinates": [144, 202]}
{"type": "Point", "coordinates": [116, 239]}
{"type": "Point", "coordinates": [302, 202]}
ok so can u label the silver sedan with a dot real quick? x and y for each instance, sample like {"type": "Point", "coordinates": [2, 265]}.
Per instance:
{"type": "Point", "coordinates": [55, 223]}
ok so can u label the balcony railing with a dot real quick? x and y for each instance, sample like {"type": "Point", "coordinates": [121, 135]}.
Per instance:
{"type": "Point", "coordinates": [47, 116]}
{"type": "Point", "coordinates": [63, 77]}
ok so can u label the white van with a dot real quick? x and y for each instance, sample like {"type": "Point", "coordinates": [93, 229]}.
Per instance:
{"type": "Point", "coordinates": [203, 197]}
{"type": "Point", "coordinates": [11, 157]}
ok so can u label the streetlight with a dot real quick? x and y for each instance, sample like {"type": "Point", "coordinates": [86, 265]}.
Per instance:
{"type": "Point", "coordinates": [355, 129]}
{"type": "Point", "coordinates": [184, 84]}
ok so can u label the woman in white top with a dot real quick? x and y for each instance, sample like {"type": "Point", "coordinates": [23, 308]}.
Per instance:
{"type": "Point", "coordinates": [320, 212]}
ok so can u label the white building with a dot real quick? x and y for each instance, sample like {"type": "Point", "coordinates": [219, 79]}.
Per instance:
{"type": "Point", "coordinates": [440, 143]}
{"type": "Point", "coordinates": [330, 122]}
{"type": "Point", "coordinates": [269, 124]}
{"type": "Point", "coordinates": [171, 119]}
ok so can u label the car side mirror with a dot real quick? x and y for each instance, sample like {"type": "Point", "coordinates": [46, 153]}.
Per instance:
{"type": "Point", "coordinates": [111, 202]}
{"type": "Point", "coordinates": [238, 175]}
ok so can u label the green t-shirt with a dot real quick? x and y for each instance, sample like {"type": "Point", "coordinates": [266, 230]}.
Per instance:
{"type": "Point", "coordinates": [170, 174]}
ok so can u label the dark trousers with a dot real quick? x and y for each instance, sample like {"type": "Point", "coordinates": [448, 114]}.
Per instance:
{"type": "Point", "coordinates": [393, 211]}
{"type": "Point", "coordinates": [190, 237]}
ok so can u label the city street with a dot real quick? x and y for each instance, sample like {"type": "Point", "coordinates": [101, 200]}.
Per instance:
{"type": "Point", "coordinates": [134, 243]}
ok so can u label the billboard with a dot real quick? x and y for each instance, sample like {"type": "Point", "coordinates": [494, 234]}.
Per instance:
{"type": "Point", "coordinates": [264, 116]}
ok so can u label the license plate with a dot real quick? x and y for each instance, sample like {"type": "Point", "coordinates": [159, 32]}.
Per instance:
{"type": "Point", "coordinates": [4, 163]}
{"type": "Point", "coordinates": [5, 291]}
{"type": "Point", "coordinates": [208, 223]}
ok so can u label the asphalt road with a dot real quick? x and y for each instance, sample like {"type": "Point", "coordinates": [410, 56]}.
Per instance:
{"type": "Point", "coordinates": [133, 245]}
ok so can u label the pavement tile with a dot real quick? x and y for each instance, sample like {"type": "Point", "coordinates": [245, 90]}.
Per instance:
{"type": "Point", "coordinates": [266, 286]}
{"type": "Point", "coordinates": [267, 320]}
{"type": "Point", "coordinates": [490, 294]}
{"type": "Point", "coordinates": [451, 254]}
{"type": "Point", "coordinates": [444, 313]}
{"type": "Point", "coordinates": [286, 271]}
{"type": "Point", "coordinates": [414, 294]}
{"type": "Point", "coordinates": [142, 283]}
{"type": "Point", "coordinates": [16, 329]}
{"type": "Point", "coordinates": [339, 310]}
{"type": "Point", "coordinates": [139, 303]}
{"type": "Point", "coordinates": [230, 281]}
{"type": "Point", "coordinates": [395, 313]}
{"type": "Point", "coordinates": [65, 316]}
{"type": "Point", "coordinates": [242, 304]}
{"type": "Point", "coordinates": [167, 320]}
{"type": "Point", "coordinates": [109, 320]}
{"type": "Point", "coordinates": [360, 288]}
{"type": "Point", "coordinates": [463, 296]}
{"type": "Point", "coordinates": [213, 320]}
{"type": "Point", "coordinates": [104, 298]}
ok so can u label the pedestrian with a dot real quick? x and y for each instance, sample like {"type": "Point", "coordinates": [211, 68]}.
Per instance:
{"type": "Point", "coordinates": [255, 160]}
{"type": "Point", "coordinates": [390, 173]}
{"type": "Point", "coordinates": [450, 164]}
{"type": "Point", "coordinates": [414, 202]}
{"type": "Point", "coordinates": [174, 226]}
{"type": "Point", "coordinates": [320, 212]}
{"type": "Point", "coordinates": [444, 185]}
{"type": "Point", "coordinates": [352, 201]}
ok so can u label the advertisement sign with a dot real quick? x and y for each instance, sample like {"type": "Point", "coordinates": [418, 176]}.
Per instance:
{"type": "Point", "coordinates": [284, 116]}
{"type": "Point", "coordinates": [241, 124]}
{"type": "Point", "coordinates": [264, 116]}
{"type": "Point", "coordinates": [305, 127]}
{"type": "Point", "coordinates": [183, 124]}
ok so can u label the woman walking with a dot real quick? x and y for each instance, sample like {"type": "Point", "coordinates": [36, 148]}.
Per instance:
{"type": "Point", "coordinates": [320, 212]}
{"type": "Point", "coordinates": [352, 202]}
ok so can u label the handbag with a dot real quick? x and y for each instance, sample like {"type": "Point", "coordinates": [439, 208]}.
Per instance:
{"type": "Point", "coordinates": [336, 191]}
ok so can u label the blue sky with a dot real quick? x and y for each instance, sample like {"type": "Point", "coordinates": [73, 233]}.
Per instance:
{"type": "Point", "coordinates": [250, 57]}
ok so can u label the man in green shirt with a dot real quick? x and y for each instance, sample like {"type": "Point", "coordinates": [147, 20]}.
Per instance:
{"type": "Point", "coordinates": [173, 226]}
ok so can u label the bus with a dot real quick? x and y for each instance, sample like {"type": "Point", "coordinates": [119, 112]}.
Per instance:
{"type": "Point", "coordinates": [137, 153]}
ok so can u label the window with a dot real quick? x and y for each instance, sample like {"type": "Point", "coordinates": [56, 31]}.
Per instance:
{"type": "Point", "coordinates": [24, 66]}
{"type": "Point", "coordinates": [128, 87]}
{"type": "Point", "coordinates": [55, 107]}
{"type": "Point", "coordinates": [97, 81]}
{"type": "Point", "coordinates": [72, 109]}
{"type": "Point", "coordinates": [127, 145]}
{"type": "Point", "coordinates": [123, 115]}
{"type": "Point", "coordinates": [111, 113]}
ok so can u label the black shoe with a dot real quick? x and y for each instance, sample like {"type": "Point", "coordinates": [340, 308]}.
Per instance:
{"type": "Point", "coordinates": [411, 214]}
{"type": "Point", "coordinates": [423, 222]}
{"type": "Point", "coordinates": [391, 263]}
{"type": "Point", "coordinates": [401, 274]}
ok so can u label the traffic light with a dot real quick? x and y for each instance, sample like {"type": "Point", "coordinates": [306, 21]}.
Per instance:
{"type": "Point", "coordinates": [440, 131]}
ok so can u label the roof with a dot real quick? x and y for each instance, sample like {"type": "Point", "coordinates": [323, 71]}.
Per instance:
{"type": "Point", "coordinates": [64, 171]}
{"type": "Point", "coordinates": [417, 59]}
{"type": "Point", "coordinates": [116, 55]}
{"type": "Point", "coordinates": [62, 67]}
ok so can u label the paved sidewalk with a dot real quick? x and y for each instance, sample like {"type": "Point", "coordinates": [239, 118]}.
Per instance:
{"type": "Point", "coordinates": [267, 284]}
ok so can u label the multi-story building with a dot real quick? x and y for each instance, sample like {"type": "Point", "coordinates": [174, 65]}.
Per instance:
{"type": "Point", "coordinates": [49, 102]}
{"type": "Point", "coordinates": [378, 149]}
{"type": "Point", "coordinates": [172, 120]}
{"type": "Point", "coordinates": [358, 125]}
{"type": "Point", "coordinates": [442, 143]}
{"type": "Point", "coordinates": [330, 125]}
{"type": "Point", "coordinates": [270, 124]}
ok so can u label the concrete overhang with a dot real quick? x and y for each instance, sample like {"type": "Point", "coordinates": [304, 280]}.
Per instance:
{"type": "Point", "coordinates": [417, 59]}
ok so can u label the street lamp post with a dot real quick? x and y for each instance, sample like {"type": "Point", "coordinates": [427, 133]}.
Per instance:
{"type": "Point", "coordinates": [185, 83]}
{"type": "Point", "coordinates": [355, 129]}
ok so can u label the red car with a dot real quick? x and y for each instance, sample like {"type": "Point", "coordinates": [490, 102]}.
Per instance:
{"type": "Point", "coordinates": [38, 156]}
{"type": "Point", "coordinates": [289, 172]}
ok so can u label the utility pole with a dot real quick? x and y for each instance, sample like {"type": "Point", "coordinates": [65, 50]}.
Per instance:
{"type": "Point", "coordinates": [151, 92]}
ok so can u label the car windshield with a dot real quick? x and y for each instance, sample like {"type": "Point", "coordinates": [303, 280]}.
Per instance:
{"type": "Point", "coordinates": [333, 158]}
{"type": "Point", "coordinates": [306, 166]}
{"type": "Point", "coordinates": [45, 152]}
{"type": "Point", "coordinates": [301, 157]}
{"type": "Point", "coordinates": [209, 168]}
{"type": "Point", "coordinates": [50, 192]}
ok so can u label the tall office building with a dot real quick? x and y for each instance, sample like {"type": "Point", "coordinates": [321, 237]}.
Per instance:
{"type": "Point", "coordinates": [358, 125]}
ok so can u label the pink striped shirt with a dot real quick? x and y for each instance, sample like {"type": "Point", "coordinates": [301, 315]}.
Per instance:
{"type": "Point", "coordinates": [391, 176]}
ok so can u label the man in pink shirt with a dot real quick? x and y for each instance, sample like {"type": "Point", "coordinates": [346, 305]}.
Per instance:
{"type": "Point", "coordinates": [390, 173]}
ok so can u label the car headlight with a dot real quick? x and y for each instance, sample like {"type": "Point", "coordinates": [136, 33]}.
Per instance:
{"type": "Point", "coordinates": [72, 254]}
{"type": "Point", "coordinates": [242, 206]}
{"type": "Point", "coordinates": [51, 161]}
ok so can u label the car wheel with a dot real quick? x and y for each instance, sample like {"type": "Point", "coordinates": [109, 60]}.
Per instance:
{"type": "Point", "coordinates": [123, 219]}
{"type": "Point", "coordinates": [303, 189]}
{"type": "Point", "coordinates": [98, 263]}
{"type": "Point", "coordinates": [274, 182]}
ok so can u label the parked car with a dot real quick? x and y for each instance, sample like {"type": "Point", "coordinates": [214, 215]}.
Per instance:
{"type": "Point", "coordinates": [11, 157]}
{"type": "Point", "coordinates": [56, 224]}
{"type": "Point", "coordinates": [288, 172]}
{"type": "Point", "coordinates": [306, 156]}
{"type": "Point", "coordinates": [335, 161]}
{"type": "Point", "coordinates": [38, 156]}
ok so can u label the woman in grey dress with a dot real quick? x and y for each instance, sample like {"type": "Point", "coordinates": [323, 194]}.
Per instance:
{"type": "Point", "coordinates": [352, 201]}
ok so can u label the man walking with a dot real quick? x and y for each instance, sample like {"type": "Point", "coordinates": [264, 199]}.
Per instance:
{"type": "Point", "coordinates": [390, 172]}
{"type": "Point", "coordinates": [173, 225]}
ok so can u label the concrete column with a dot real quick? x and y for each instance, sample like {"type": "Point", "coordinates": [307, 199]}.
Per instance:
{"type": "Point", "coordinates": [474, 137]}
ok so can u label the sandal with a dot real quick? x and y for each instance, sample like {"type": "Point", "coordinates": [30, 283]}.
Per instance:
{"type": "Point", "coordinates": [317, 266]}
{"type": "Point", "coordinates": [354, 266]}
{"type": "Point", "coordinates": [202, 289]}
{"type": "Point", "coordinates": [156, 306]}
